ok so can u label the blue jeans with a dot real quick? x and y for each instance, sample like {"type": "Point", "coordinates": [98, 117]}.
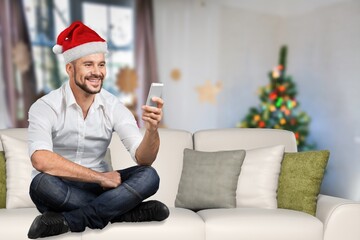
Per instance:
{"type": "Point", "coordinates": [89, 205]}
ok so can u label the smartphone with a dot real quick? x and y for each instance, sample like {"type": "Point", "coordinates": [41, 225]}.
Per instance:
{"type": "Point", "coordinates": [155, 91]}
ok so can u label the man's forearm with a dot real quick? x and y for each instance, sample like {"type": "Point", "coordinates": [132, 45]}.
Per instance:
{"type": "Point", "coordinates": [148, 148]}
{"type": "Point", "coordinates": [56, 165]}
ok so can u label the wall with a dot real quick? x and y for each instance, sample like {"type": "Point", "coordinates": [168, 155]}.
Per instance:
{"type": "Point", "coordinates": [200, 42]}
{"type": "Point", "coordinates": [239, 47]}
{"type": "Point", "coordinates": [325, 62]}
{"type": "Point", "coordinates": [186, 35]}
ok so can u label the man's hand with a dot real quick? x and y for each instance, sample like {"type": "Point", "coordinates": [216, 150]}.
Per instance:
{"type": "Point", "coordinates": [153, 115]}
{"type": "Point", "coordinates": [110, 179]}
{"type": "Point", "coordinates": [149, 146]}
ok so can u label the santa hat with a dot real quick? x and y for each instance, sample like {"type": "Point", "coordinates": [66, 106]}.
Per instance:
{"type": "Point", "coordinates": [77, 41]}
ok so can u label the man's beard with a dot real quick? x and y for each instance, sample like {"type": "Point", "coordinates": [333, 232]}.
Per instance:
{"type": "Point", "coordinates": [85, 88]}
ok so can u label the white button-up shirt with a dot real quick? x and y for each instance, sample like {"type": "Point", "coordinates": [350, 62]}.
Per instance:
{"type": "Point", "coordinates": [56, 123]}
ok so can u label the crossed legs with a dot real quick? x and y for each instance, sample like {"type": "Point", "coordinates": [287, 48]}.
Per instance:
{"type": "Point", "coordinates": [87, 204]}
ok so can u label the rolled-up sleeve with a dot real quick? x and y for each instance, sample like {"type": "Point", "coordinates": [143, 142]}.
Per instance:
{"type": "Point", "coordinates": [126, 127]}
{"type": "Point", "coordinates": [41, 119]}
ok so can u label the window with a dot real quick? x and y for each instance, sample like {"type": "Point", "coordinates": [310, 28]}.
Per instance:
{"type": "Point", "coordinates": [111, 19]}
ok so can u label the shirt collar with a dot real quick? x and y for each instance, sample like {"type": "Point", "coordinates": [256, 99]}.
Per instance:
{"type": "Point", "coordinates": [70, 99]}
{"type": "Point", "coordinates": [69, 96]}
{"type": "Point", "coordinates": [98, 101]}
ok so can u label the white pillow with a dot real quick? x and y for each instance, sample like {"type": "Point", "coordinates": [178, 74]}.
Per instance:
{"type": "Point", "coordinates": [258, 178]}
{"type": "Point", "coordinates": [18, 172]}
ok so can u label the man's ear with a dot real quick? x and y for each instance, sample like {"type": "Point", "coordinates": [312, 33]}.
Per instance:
{"type": "Point", "coordinates": [69, 68]}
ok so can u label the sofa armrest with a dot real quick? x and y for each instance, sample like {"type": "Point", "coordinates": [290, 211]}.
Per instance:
{"type": "Point", "coordinates": [341, 217]}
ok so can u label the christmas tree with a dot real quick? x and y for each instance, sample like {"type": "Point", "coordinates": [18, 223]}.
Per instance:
{"type": "Point", "coordinates": [279, 108]}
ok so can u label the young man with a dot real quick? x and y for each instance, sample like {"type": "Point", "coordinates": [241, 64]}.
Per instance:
{"type": "Point", "coordinates": [69, 132]}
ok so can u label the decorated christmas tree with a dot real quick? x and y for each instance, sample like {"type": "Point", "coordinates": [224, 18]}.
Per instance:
{"type": "Point", "coordinates": [279, 108]}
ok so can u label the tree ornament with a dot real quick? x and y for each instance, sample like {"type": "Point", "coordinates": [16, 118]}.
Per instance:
{"type": "Point", "coordinates": [273, 96]}
{"type": "Point", "coordinates": [281, 88]}
{"type": "Point", "coordinates": [275, 73]}
{"type": "Point", "coordinates": [256, 118]}
{"type": "Point", "coordinates": [262, 124]}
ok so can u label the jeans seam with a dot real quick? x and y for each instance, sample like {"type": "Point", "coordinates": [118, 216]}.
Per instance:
{"type": "Point", "coordinates": [130, 189]}
{"type": "Point", "coordinates": [67, 197]}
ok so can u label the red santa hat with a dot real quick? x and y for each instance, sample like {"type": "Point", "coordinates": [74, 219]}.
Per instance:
{"type": "Point", "coordinates": [77, 41]}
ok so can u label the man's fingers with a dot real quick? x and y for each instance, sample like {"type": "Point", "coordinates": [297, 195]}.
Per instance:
{"type": "Point", "coordinates": [159, 101]}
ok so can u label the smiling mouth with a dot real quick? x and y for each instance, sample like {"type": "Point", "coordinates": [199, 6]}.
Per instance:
{"type": "Point", "coordinates": [94, 80]}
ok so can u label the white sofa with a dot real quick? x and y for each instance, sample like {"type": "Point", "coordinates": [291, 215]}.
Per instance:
{"type": "Point", "coordinates": [335, 219]}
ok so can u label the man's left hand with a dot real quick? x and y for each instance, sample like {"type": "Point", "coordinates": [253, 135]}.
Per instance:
{"type": "Point", "coordinates": [153, 115]}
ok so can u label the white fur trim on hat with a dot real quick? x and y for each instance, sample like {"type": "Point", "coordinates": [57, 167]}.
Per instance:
{"type": "Point", "coordinates": [83, 50]}
{"type": "Point", "coordinates": [57, 49]}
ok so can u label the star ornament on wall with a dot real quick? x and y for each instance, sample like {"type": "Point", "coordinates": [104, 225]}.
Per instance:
{"type": "Point", "coordinates": [21, 56]}
{"type": "Point", "coordinates": [126, 80]}
{"type": "Point", "coordinates": [209, 91]}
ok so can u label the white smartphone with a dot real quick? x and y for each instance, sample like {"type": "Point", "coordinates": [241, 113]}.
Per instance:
{"type": "Point", "coordinates": [155, 91]}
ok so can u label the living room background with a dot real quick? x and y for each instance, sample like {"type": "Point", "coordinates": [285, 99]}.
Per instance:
{"type": "Point", "coordinates": [228, 47]}
{"type": "Point", "coordinates": [237, 42]}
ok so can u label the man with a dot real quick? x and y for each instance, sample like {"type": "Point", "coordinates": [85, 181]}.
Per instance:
{"type": "Point", "coordinates": [69, 132]}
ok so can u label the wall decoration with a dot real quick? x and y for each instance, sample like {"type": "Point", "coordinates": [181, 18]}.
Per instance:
{"type": "Point", "coordinates": [175, 74]}
{"type": "Point", "coordinates": [126, 80]}
{"type": "Point", "coordinates": [209, 91]}
{"type": "Point", "coordinates": [21, 57]}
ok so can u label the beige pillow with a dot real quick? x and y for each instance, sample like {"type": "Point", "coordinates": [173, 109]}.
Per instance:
{"type": "Point", "coordinates": [259, 176]}
{"type": "Point", "coordinates": [18, 172]}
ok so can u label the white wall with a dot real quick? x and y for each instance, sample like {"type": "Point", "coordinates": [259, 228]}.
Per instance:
{"type": "Point", "coordinates": [187, 36]}
{"type": "Point", "coordinates": [325, 62]}
{"type": "Point", "coordinates": [239, 47]}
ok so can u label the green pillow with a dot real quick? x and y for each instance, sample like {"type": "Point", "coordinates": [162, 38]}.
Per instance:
{"type": "Point", "coordinates": [300, 180]}
{"type": "Point", "coordinates": [209, 179]}
{"type": "Point", "coordinates": [2, 180]}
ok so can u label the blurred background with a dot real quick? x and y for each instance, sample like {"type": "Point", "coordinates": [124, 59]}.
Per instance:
{"type": "Point", "coordinates": [290, 64]}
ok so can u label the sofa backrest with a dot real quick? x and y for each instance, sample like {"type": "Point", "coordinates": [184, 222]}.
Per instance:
{"type": "Point", "coordinates": [168, 163]}
{"type": "Point", "coordinates": [19, 133]}
{"type": "Point", "coordinates": [243, 138]}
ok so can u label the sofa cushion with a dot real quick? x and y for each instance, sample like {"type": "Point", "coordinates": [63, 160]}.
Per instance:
{"type": "Point", "coordinates": [260, 224]}
{"type": "Point", "coordinates": [300, 180]}
{"type": "Point", "coordinates": [15, 224]}
{"type": "Point", "coordinates": [209, 179]}
{"type": "Point", "coordinates": [259, 176]}
{"type": "Point", "coordinates": [18, 172]}
{"type": "Point", "coordinates": [180, 225]}
{"type": "Point", "coordinates": [2, 180]}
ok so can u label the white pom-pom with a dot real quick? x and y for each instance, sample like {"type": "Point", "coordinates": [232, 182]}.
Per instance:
{"type": "Point", "coordinates": [57, 49]}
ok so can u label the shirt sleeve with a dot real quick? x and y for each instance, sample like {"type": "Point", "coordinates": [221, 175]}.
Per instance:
{"type": "Point", "coordinates": [41, 119]}
{"type": "Point", "coordinates": [127, 129]}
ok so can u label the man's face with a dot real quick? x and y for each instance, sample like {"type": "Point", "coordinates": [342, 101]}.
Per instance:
{"type": "Point", "coordinates": [89, 72]}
